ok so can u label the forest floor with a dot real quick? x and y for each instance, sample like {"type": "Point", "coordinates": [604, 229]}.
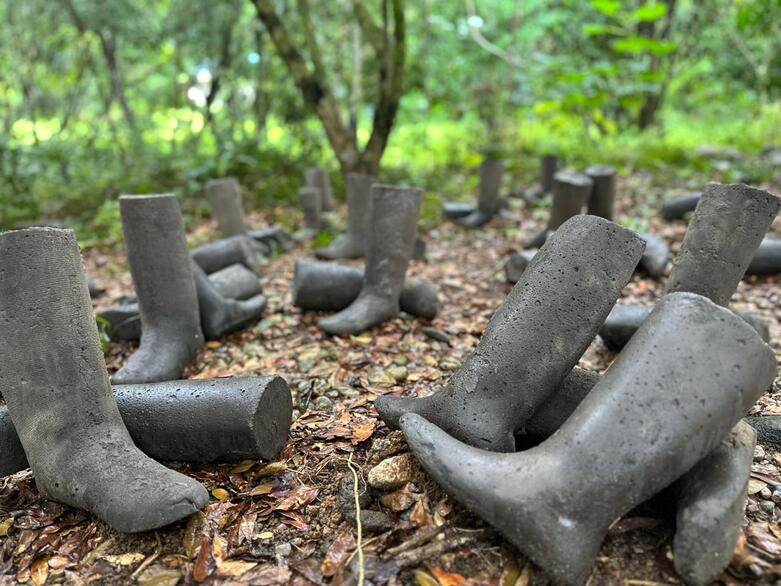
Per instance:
{"type": "Point", "coordinates": [282, 522]}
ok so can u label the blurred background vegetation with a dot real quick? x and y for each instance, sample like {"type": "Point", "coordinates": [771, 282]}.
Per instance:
{"type": "Point", "coordinates": [139, 96]}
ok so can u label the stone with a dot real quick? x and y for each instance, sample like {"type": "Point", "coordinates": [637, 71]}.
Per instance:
{"type": "Point", "coordinates": [656, 255]}
{"type": "Point", "coordinates": [224, 197]}
{"type": "Point", "coordinates": [322, 403]}
{"type": "Point", "coordinates": [602, 200]}
{"type": "Point", "coordinates": [534, 339]}
{"type": "Point", "coordinates": [767, 259]}
{"type": "Point", "coordinates": [395, 212]}
{"type": "Point", "coordinates": [676, 208]}
{"type": "Point", "coordinates": [393, 472]}
{"type": "Point", "coordinates": [488, 200]}
{"type": "Point", "coordinates": [759, 453]}
{"type": "Point", "coordinates": [370, 520]}
{"type": "Point", "coordinates": [217, 420]}
{"type": "Point", "coordinates": [236, 282]}
{"type": "Point", "coordinates": [359, 215]}
{"type": "Point", "coordinates": [557, 501]}
{"type": "Point", "coordinates": [324, 286]}
{"type": "Point", "coordinates": [163, 279]}
{"type": "Point", "coordinates": [56, 388]}
{"type": "Point", "coordinates": [318, 179]}
{"type": "Point", "coordinates": [311, 206]}
{"type": "Point", "coordinates": [225, 252]}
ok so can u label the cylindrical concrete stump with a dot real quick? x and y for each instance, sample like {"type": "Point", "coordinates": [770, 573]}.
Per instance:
{"type": "Point", "coordinates": [224, 196]}
{"type": "Point", "coordinates": [571, 192]}
{"type": "Point", "coordinates": [311, 205]}
{"type": "Point", "coordinates": [676, 208]}
{"type": "Point", "coordinates": [767, 259]}
{"type": "Point", "coordinates": [548, 168]}
{"type": "Point", "coordinates": [603, 194]}
{"type": "Point", "coordinates": [217, 420]}
{"type": "Point", "coordinates": [325, 286]}
{"type": "Point", "coordinates": [318, 179]}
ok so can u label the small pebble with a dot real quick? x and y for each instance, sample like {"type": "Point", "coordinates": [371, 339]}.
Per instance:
{"type": "Point", "coordinates": [765, 493]}
{"type": "Point", "coordinates": [436, 334]}
{"type": "Point", "coordinates": [393, 473]}
{"type": "Point", "coordinates": [752, 508]}
{"type": "Point", "coordinates": [767, 506]}
{"type": "Point", "coordinates": [322, 404]}
{"type": "Point", "coordinates": [399, 373]}
{"type": "Point", "coordinates": [283, 549]}
{"type": "Point", "coordinates": [759, 453]}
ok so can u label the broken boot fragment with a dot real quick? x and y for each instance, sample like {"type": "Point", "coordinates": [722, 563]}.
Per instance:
{"type": "Point", "coordinates": [230, 251]}
{"type": "Point", "coordinates": [224, 197]}
{"type": "Point", "coordinates": [53, 377]}
{"type": "Point", "coordinates": [217, 420]}
{"type": "Point", "coordinates": [571, 192]}
{"type": "Point", "coordinates": [603, 194]}
{"type": "Point", "coordinates": [488, 200]}
{"type": "Point", "coordinates": [395, 212]}
{"type": "Point", "coordinates": [359, 213]}
{"type": "Point", "coordinates": [322, 286]}
{"type": "Point", "coordinates": [534, 339]}
{"type": "Point", "coordinates": [163, 279]}
{"type": "Point", "coordinates": [556, 502]}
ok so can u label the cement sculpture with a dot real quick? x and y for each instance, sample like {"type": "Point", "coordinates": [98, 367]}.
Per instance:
{"type": "Point", "coordinates": [489, 200]}
{"type": "Point", "coordinates": [359, 213]}
{"type": "Point", "coordinates": [549, 165]}
{"type": "Point", "coordinates": [230, 251]}
{"type": "Point", "coordinates": [217, 420]}
{"type": "Point", "coordinates": [163, 278]}
{"type": "Point", "coordinates": [603, 194]}
{"type": "Point", "coordinates": [767, 260]}
{"type": "Point", "coordinates": [318, 179]}
{"type": "Point", "coordinates": [395, 212]}
{"type": "Point", "coordinates": [676, 208]}
{"type": "Point", "coordinates": [312, 207]}
{"type": "Point", "coordinates": [325, 286]}
{"type": "Point", "coordinates": [534, 339]}
{"type": "Point", "coordinates": [538, 499]}
{"type": "Point", "coordinates": [571, 192]}
{"type": "Point", "coordinates": [656, 255]}
{"type": "Point", "coordinates": [224, 197]}
{"type": "Point", "coordinates": [236, 282]}
{"type": "Point", "coordinates": [54, 381]}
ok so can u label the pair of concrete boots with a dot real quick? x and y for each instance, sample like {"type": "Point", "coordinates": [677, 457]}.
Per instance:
{"type": "Point", "coordinates": [665, 414]}
{"type": "Point", "coordinates": [382, 226]}
{"type": "Point", "coordinates": [178, 304]}
{"type": "Point", "coordinates": [96, 449]}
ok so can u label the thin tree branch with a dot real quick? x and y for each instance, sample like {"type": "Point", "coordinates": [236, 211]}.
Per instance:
{"type": "Point", "coordinates": [478, 37]}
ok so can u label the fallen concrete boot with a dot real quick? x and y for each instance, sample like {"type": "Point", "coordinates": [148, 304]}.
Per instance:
{"type": "Point", "coordinates": [273, 237]}
{"type": "Point", "coordinates": [556, 502]}
{"type": "Point", "coordinates": [656, 255]}
{"type": "Point", "coordinates": [675, 208]}
{"type": "Point", "coordinates": [395, 212]}
{"type": "Point", "coordinates": [456, 209]}
{"type": "Point", "coordinates": [359, 213]}
{"type": "Point", "coordinates": [230, 251]}
{"type": "Point", "coordinates": [534, 339]}
{"type": "Point", "coordinates": [236, 282]}
{"type": "Point", "coordinates": [323, 286]}
{"type": "Point", "coordinates": [723, 236]}
{"type": "Point", "coordinates": [767, 259]}
{"type": "Point", "coordinates": [488, 201]}
{"type": "Point", "coordinates": [711, 504]}
{"type": "Point", "coordinates": [221, 316]}
{"type": "Point", "coordinates": [571, 192]}
{"type": "Point", "coordinates": [163, 278]}
{"type": "Point", "coordinates": [54, 381]}
{"type": "Point", "coordinates": [318, 179]}
{"type": "Point", "coordinates": [602, 200]}
{"type": "Point", "coordinates": [218, 420]}
{"type": "Point", "coordinates": [224, 197]}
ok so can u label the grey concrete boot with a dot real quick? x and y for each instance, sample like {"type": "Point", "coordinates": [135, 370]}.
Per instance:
{"type": "Point", "coordinates": [224, 197]}
{"type": "Point", "coordinates": [722, 238]}
{"type": "Point", "coordinates": [549, 165]}
{"type": "Point", "coordinates": [556, 502]}
{"type": "Point", "coordinates": [534, 339]}
{"type": "Point", "coordinates": [225, 252]}
{"type": "Point", "coordinates": [395, 212]}
{"type": "Point", "coordinates": [311, 202]}
{"type": "Point", "coordinates": [656, 255]}
{"type": "Point", "coordinates": [676, 208]}
{"type": "Point", "coordinates": [221, 316]}
{"type": "Point", "coordinates": [323, 286]}
{"type": "Point", "coordinates": [359, 213]}
{"type": "Point", "coordinates": [54, 381]}
{"type": "Point", "coordinates": [767, 260]}
{"type": "Point", "coordinates": [217, 420]}
{"type": "Point", "coordinates": [571, 192]}
{"type": "Point", "coordinates": [602, 200]}
{"type": "Point", "coordinates": [489, 200]}
{"type": "Point", "coordinates": [163, 278]}
{"type": "Point", "coordinates": [318, 179]}
{"type": "Point", "coordinates": [236, 282]}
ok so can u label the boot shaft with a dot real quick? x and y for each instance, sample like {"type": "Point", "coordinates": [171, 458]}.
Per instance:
{"type": "Point", "coordinates": [548, 168]}
{"type": "Point", "coordinates": [312, 206]}
{"type": "Point", "coordinates": [224, 196]}
{"type": "Point", "coordinates": [603, 194]}
{"type": "Point", "coordinates": [571, 192]}
{"type": "Point", "coordinates": [359, 209]}
{"type": "Point", "coordinates": [490, 183]}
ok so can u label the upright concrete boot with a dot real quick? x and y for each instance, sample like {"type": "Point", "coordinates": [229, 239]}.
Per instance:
{"type": "Point", "coordinates": [218, 420]}
{"type": "Point", "coordinates": [224, 197]}
{"type": "Point", "coordinates": [676, 208]}
{"type": "Point", "coordinates": [359, 213]}
{"type": "Point", "coordinates": [711, 502]}
{"type": "Point", "coordinates": [326, 286]}
{"type": "Point", "coordinates": [571, 192]}
{"type": "Point", "coordinates": [236, 282]}
{"type": "Point", "coordinates": [723, 236]}
{"type": "Point", "coordinates": [318, 179]}
{"type": "Point", "coordinates": [54, 381]}
{"type": "Point", "coordinates": [163, 277]}
{"type": "Point", "coordinates": [230, 251]}
{"type": "Point", "coordinates": [556, 502]}
{"type": "Point", "coordinates": [602, 200]}
{"type": "Point", "coordinates": [312, 206]}
{"type": "Point", "coordinates": [489, 201]}
{"type": "Point", "coordinates": [534, 339]}
{"type": "Point", "coordinates": [767, 259]}
{"type": "Point", "coordinates": [549, 165]}
{"type": "Point", "coordinates": [220, 316]}
{"type": "Point", "coordinates": [395, 212]}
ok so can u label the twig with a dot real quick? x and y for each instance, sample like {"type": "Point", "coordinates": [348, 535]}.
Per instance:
{"type": "Point", "coordinates": [417, 556]}
{"type": "Point", "coordinates": [358, 527]}
{"type": "Point", "coordinates": [420, 537]}
{"type": "Point", "coordinates": [145, 564]}
{"type": "Point", "coordinates": [478, 38]}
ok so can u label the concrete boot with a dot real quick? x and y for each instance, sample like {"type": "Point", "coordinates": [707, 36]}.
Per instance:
{"type": "Point", "coordinates": [489, 200]}
{"type": "Point", "coordinates": [602, 200]}
{"type": "Point", "coordinates": [318, 179]}
{"type": "Point", "coordinates": [359, 213]}
{"type": "Point", "coordinates": [230, 251]}
{"type": "Point", "coordinates": [224, 197]}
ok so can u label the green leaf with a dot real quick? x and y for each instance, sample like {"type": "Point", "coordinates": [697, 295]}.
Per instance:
{"type": "Point", "coordinates": [650, 12]}
{"type": "Point", "coordinates": [594, 30]}
{"type": "Point", "coordinates": [607, 7]}
{"type": "Point", "coordinates": [638, 45]}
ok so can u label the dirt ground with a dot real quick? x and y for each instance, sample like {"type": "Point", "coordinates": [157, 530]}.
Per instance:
{"type": "Point", "coordinates": [282, 522]}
